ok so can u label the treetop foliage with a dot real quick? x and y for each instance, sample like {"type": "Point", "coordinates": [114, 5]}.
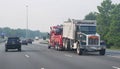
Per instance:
{"type": "Point", "coordinates": [21, 32]}
{"type": "Point", "coordinates": [108, 22]}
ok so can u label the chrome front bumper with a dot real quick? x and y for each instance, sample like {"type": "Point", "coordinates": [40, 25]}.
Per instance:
{"type": "Point", "coordinates": [92, 48]}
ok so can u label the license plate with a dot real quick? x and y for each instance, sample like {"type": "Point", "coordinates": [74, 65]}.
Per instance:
{"type": "Point", "coordinates": [97, 48]}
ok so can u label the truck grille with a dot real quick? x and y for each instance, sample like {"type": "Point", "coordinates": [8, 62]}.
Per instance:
{"type": "Point", "coordinates": [93, 41]}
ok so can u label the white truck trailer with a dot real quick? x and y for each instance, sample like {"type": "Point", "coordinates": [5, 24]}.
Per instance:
{"type": "Point", "coordinates": [81, 36]}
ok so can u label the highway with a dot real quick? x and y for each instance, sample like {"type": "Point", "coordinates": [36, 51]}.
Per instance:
{"type": "Point", "coordinates": [38, 56]}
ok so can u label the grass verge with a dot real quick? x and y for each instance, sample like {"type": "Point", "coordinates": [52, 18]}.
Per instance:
{"type": "Point", "coordinates": [114, 48]}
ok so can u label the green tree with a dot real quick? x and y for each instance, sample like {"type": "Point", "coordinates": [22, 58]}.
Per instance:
{"type": "Point", "coordinates": [91, 16]}
{"type": "Point", "coordinates": [108, 22]}
{"type": "Point", "coordinates": [21, 32]}
{"type": "Point", "coordinates": [113, 35]}
{"type": "Point", "coordinates": [103, 18]}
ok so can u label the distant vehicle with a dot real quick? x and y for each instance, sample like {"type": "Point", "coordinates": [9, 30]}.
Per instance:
{"type": "Point", "coordinates": [56, 37]}
{"type": "Point", "coordinates": [24, 42]}
{"type": "Point", "coordinates": [36, 38]}
{"type": "Point", "coordinates": [13, 43]}
{"type": "Point", "coordinates": [29, 41]}
{"type": "Point", "coordinates": [44, 38]}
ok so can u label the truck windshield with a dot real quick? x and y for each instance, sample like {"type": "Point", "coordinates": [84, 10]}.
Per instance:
{"type": "Point", "coordinates": [87, 29]}
{"type": "Point", "coordinates": [59, 31]}
{"type": "Point", "coordinates": [13, 40]}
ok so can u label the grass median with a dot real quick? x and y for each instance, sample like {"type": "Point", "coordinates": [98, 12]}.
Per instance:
{"type": "Point", "coordinates": [114, 48]}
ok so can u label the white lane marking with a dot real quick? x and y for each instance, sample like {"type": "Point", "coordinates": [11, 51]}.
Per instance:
{"type": "Point", "coordinates": [116, 56]}
{"type": "Point", "coordinates": [115, 67]}
{"type": "Point", "coordinates": [42, 68]}
{"type": "Point", "coordinates": [68, 55]}
{"type": "Point", "coordinates": [113, 56]}
{"type": "Point", "coordinates": [27, 56]}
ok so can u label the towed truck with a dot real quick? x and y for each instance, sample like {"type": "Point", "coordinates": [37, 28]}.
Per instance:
{"type": "Point", "coordinates": [55, 37]}
{"type": "Point", "coordinates": [80, 35]}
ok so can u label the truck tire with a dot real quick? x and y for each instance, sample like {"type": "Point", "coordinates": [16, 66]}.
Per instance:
{"type": "Point", "coordinates": [56, 47]}
{"type": "Point", "coordinates": [79, 51]}
{"type": "Point", "coordinates": [49, 47]}
{"type": "Point", "coordinates": [19, 49]}
{"type": "Point", "coordinates": [60, 48]}
{"type": "Point", "coordinates": [67, 45]}
{"type": "Point", "coordinates": [6, 50]}
{"type": "Point", "coordinates": [102, 52]}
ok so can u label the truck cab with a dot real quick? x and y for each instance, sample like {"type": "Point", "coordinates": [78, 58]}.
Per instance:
{"type": "Point", "coordinates": [56, 37]}
{"type": "Point", "coordinates": [81, 35]}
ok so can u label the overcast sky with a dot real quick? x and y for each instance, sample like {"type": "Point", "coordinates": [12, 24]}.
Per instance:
{"type": "Point", "coordinates": [44, 13]}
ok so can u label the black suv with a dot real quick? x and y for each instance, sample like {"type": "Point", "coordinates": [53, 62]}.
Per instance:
{"type": "Point", "coordinates": [29, 41]}
{"type": "Point", "coordinates": [13, 43]}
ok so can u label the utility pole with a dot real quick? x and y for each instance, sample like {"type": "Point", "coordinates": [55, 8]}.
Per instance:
{"type": "Point", "coordinates": [26, 21]}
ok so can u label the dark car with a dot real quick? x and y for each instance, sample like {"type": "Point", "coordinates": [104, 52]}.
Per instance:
{"type": "Point", "coordinates": [13, 43]}
{"type": "Point", "coordinates": [30, 41]}
{"type": "Point", "coordinates": [24, 42]}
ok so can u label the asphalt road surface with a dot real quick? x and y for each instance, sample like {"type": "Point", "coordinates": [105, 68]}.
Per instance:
{"type": "Point", "coordinates": [38, 56]}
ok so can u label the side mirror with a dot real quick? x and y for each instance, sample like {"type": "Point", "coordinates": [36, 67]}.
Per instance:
{"type": "Point", "coordinates": [102, 42]}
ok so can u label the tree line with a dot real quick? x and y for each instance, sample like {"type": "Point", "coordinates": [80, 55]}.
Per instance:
{"type": "Point", "coordinates": [108, 22]}
{"type": "Point", "coordinates": [8, 32]}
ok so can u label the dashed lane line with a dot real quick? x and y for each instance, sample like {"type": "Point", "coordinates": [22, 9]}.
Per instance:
{"type": "Point", "coordinates": [67, 55]}
{"type": "Point", "coordinates": [27, 56]}
{"type": "Point", "coordinates": [42, 68]}
{"type": "Point", "coordinates": [114, 56]}
{"type": "Point", "coordinates": [115, 67]}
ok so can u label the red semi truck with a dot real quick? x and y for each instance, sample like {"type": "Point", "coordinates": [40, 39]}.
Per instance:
{"type": "Point", "coordinates": [56, 37]}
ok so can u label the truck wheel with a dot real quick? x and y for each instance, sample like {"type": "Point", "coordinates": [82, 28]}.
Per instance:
{"type": "Point", "coordinates": [49, 47]}
{"type": "Point", "coordinates": [102, 52]}
{"type": "Point", "coordinates": [6, 50]}
{"type": "Point", "coordinates": [19, 49]}
{"type": "Point", "coordinates": [79, 51]}
{"type": "Point", "coordinates": [67, 45]}
{"type": "Point", "coordinates": [56, 47]}
{"type": "Point", "coordinates": [60, 48]}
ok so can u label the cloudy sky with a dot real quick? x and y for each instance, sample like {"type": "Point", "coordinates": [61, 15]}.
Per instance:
{"type": "Point", "coordinates": [44, 13]}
